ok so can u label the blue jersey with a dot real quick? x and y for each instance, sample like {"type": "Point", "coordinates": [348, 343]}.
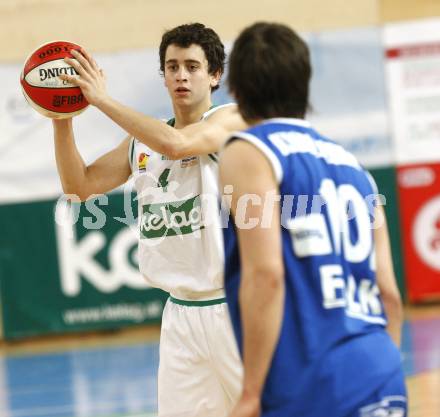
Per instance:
{"type": "Point", "coordinates": [333, 351]}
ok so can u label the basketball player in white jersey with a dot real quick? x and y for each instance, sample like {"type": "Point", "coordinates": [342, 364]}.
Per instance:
{"type": "Point", "coordinates": [180, 246]}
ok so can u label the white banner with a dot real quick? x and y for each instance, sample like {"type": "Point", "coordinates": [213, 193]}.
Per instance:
{"type": "Point", "coordinates": [27, 158]}
{"type": "Point", "coordinates": [413, 78]}
{"type": "Point", "coordinates": [347, 96]}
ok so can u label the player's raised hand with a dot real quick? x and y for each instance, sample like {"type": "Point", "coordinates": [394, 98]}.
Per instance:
{"type": "Point", "coordinates": [91, 78]}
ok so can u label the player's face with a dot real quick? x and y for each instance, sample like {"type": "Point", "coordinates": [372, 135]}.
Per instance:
{"type": "Point", "coordinates": [186, 75]}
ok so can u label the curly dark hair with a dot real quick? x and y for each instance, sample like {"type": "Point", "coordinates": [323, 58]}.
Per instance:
{"type": "Point", "coordinates": [198, 34]}
{"type": "Point", "coordinates": [269, 72]}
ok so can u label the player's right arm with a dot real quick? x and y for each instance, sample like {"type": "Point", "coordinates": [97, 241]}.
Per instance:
{"type": "Point", "coordinates": [200, 138]}
{"type": "Point", "coordinates": [106, 173]}
{"type": "Point", "coordinates": [386, 279]}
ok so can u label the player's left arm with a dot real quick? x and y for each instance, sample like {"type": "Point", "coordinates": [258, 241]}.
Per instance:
{"type": "Point", "coordinates": [200, 138]}
{"type": "Point", "coordinates": [386, 279]}
{"type": "Point", "coordinates": [261, 294]}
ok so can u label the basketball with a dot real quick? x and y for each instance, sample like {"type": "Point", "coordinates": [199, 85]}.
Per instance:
{"type": "Point", "coordinates": [44, 90]}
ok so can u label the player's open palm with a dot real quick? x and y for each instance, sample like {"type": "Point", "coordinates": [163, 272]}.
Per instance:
{"type": "Point", "coordinates": [247, 407]}
{"type": "Point", "coordinates": [91, 78]}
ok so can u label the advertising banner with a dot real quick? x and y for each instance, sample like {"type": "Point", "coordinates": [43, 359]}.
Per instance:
{"type": "Point", "coordinates": [386, 183]}
{"type": "Point", "coordinates": [348, 95]}
{"type": "Point", "coordinates": [72, 267]}
{"type": "Point", "coordinates": [419, 192]}
{"type": "Point", "coordinates": [413, 80]}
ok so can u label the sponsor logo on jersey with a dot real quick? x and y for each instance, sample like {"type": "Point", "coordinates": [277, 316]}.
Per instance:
{"type": "Point", "coordinates": [142, 161]}
{"type": "Point", "coordinates": [189, 162]}
{"type": "Point", "coordinates": [171, 219]}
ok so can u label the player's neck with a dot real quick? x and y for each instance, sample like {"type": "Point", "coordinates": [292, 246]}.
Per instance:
{"type": "Point", "coordinates": [186, 115]}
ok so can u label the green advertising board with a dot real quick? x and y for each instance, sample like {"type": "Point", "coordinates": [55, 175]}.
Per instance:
{"type": "Point", "coordinates": [386, 182]}
{"type": "Point", "coordinates": [72, 267]}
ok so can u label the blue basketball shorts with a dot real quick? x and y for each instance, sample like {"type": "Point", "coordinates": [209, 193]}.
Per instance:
{"type": "Point", "coordinates": [390, 400]}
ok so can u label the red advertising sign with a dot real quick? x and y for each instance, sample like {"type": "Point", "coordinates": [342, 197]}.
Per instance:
{"type": "Point", "coordinates": [419, 193]}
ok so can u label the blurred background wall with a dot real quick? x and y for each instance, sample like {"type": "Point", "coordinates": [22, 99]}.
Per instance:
{"type": "Point", "coordinates": [111, 25]}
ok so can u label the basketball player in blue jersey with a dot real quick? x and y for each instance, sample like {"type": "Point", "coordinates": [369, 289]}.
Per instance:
{"type": "Point", "coordinates": [309, 282]}
{"type": "Point", "coordinates": [180, 246]}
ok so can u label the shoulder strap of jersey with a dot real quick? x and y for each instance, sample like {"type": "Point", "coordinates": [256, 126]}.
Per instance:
{"type": "Point", "coordinates": [213, 109]}
{"type": "Point", "coordinates": [265, 148]}
{"type": "Point", "coordinates": [171, 122]}
{"type": "Point", "coordinates": [131, 154]}
{"type": "Point", "coordinates": [214, 156]}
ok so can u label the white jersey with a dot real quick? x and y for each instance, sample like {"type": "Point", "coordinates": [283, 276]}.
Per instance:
{"type": "Point", "coordinates": [180, 242]}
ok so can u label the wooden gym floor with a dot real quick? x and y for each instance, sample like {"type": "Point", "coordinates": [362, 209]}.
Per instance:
{"type": "Point", "coordinates": [114, 373]}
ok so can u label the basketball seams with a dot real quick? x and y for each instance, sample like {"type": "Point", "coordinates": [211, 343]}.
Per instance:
{"type": "Point", "coordinates": [23, 75]}
{"type": "Point", "coordinates": [32, 99]}
{"type": "Point", "coordinates": [53, 113]}
{"type": "Point", "coordinates": [45, 62]}
{"type": "Point", "coordinates": [50, 60]}
{"type": "Point", "coordinates": [48, 88]}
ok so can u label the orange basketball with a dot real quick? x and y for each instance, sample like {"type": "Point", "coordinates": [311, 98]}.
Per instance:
{"type": "Point", "coordinates": [44, 91]}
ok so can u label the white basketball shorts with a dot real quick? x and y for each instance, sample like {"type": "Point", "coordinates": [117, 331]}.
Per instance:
{"type": "Point", "coordinates": [200, 371]}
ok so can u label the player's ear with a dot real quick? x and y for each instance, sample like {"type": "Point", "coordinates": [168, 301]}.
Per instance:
{"type": "Point", "coordinates": [162, 73]}
{"type": "Point", "coordinates": [215, 79]}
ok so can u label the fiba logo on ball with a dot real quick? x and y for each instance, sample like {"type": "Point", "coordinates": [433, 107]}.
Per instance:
{"type": "Point", "coordinates": [426, 233]}
{"type": "Point", "coordinates": [42, 87]}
